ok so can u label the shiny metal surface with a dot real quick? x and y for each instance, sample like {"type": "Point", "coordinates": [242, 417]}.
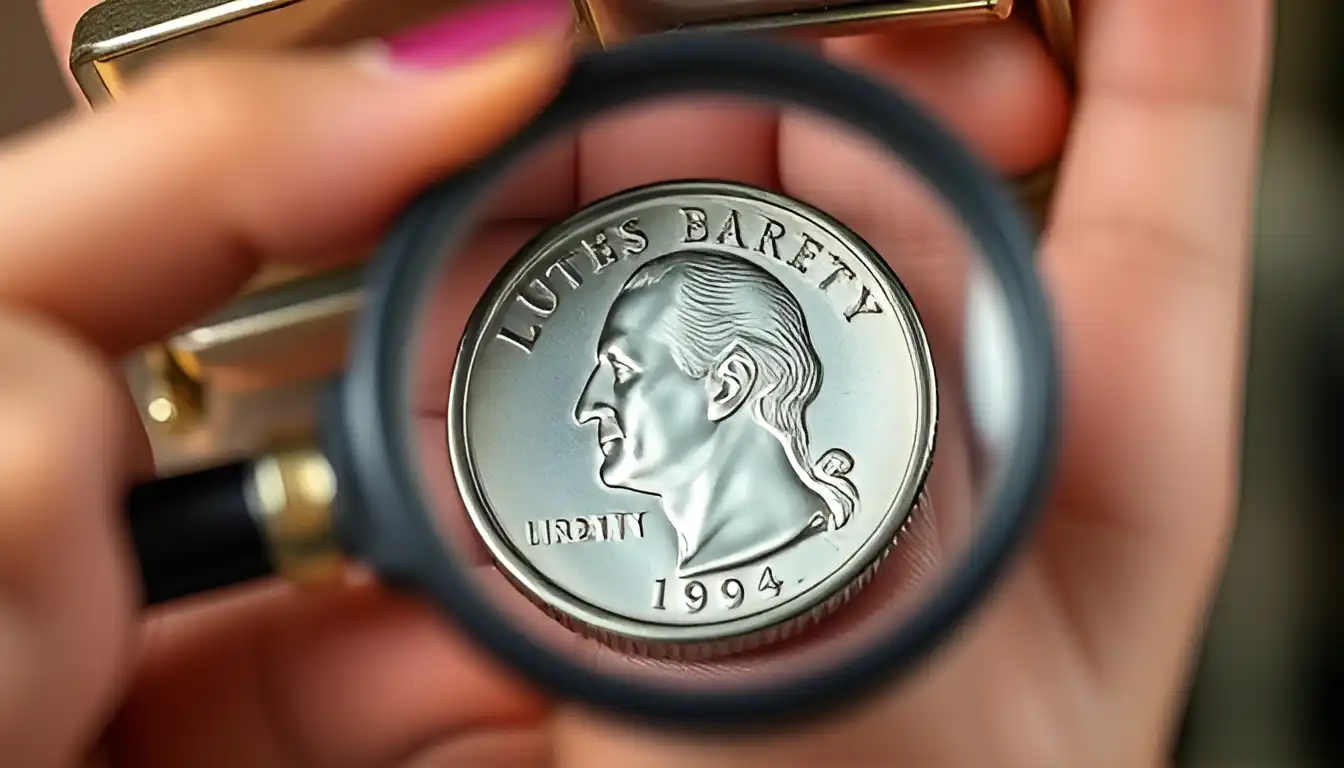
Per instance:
{"type": "Point", "coordinates": [115, 40]}
{"type": "Point", "coordinates": [292, 492]}
{"type": "Point", "coordinates": [692, 417]}
{"type": "Point", "coordinates": [612, 21]}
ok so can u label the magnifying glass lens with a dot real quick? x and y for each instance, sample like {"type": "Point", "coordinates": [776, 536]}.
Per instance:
{"type": "Point", "coordinates": [710, 396]}
{"type": "Point", "coordinates": [703, 409]}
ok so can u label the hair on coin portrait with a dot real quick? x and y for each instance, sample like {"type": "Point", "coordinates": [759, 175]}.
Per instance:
{"type": "Point", "coordinates": [705, 370]}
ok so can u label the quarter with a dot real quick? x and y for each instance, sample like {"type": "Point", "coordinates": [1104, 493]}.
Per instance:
{"type": "Point", "coordinates": [692, 418]}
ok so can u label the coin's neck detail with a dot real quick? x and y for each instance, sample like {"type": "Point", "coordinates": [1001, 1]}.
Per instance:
{"type": "Point", "coordinates": [726, 516]}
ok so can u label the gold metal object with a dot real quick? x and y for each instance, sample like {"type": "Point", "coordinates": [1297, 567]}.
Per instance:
{"type": "Point", "coordinates": [115, 40]}
{"type": "Point", "coordinates": [612, 21]}
{"type": "Point", "coordinates": [283, 333]}
{"type": "Point", "coordinates": [223, 385]}
{"type": "Point", "coordinates": [175, 400]}
{"type": "Point", "coordinates": [293, 491]}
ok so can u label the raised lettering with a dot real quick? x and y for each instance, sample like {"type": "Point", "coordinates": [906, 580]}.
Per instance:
{"type": "Point", "coordinates": [734, 591]}
{"type": "Point", "coordinates": [599, 252]}
{"type": "Point", "coordinates": [583, 530]}
{"type": "Point", "coordinates": [769, 583]}
{"type": "Point", "coordinates": [525, 343]}
{"type": "Point", "coordinates": [638, 520]}
{"type": "Point", "coordinates": [696, 596]}
{"type": "Point", "coordinates": [613, 526]}
{"type": "Point", "coordinates": [538, 297]}
{"type": "Point", "coordinates": [770, 239]}
{"type": "Point", "coordinates": [865, 304]}
{"type": "Point", "coordinates": [561, 528]}
{"type": "Point", "coordinates": [841, 270]}
{"type": "Point", "coordinates": [807, 252]}
{"type": "Point", "coordinates": [696, 231]}
{"type": "Point", "coordinates": [538, 534]}
{"type": "Point", "coordinates": [732, 228]}
{"type": "Point", "coordinates": [723, 593]}
{"type": "Point", "coordinates": [635, 239]}
{"type": "Point", "coordinates": [566, 271]}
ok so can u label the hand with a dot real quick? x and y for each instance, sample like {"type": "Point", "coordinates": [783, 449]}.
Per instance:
{"type": "Point", "coordinates": [1080, 658]}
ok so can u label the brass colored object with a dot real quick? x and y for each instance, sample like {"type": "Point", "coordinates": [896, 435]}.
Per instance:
{"type": "Point", "coordinates": [116, 40]}
{"type": "Point", "coordinates": [175, 400]}
{"type": "Point", "coordinates": [283, 333]}
{"type": "Point", "coordinates": [293, 491]}
{"type": "Point", "coordinates": [223, 384]}
{"type": "Point", "coordinates": [612, 21]}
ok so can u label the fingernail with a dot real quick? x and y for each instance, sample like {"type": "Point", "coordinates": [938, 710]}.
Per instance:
{"type": "Point", "coordinates": [478, 29]}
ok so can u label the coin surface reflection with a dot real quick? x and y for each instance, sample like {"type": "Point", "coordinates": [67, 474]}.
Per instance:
{"type": "Point", "coordinates": [692, 418]}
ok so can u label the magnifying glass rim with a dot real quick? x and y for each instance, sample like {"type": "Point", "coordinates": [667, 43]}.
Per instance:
{"type": "Point", "coordinates": [383, 515]}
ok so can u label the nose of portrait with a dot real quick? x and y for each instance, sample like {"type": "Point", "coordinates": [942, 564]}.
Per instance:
{"type": "Point", "coordinates": [595, 399]}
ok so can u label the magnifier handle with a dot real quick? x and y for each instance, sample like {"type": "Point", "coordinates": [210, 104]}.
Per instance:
{"type": "Point", "coordinates": [234, 523]}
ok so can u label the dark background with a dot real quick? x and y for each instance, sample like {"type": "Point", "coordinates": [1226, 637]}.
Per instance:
{"type": "Point", "coordinates": [1271, 686]}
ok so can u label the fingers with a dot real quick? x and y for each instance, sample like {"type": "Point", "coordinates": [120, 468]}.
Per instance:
{"type": "Point", "coordinates": [725, 139]}
{"type": "Point", "coordinates": [995, 86]}
{"type": "Point", "coordinates": [60, 17]}
{"type": "Point", "coordinates": [276, 678]}
{"type": "Point", "coordinates": [68, 599]}
{"type": "Point", "coordinates": [1147, 258]}
{"type": "Point", "coordinates": [128, 224]}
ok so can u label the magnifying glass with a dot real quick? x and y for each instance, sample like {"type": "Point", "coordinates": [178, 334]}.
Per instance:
{"type": "Point", "coordinates": [702, 440]}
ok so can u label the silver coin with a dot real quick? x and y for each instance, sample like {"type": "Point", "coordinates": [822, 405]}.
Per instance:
{"type": "Point", "coordinates": [692, 418]}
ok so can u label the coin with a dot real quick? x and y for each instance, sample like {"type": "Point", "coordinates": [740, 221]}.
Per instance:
{"type": "Point", "coordinates": [692, 418]}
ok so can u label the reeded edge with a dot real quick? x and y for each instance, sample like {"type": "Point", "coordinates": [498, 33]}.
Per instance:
{"type": "Point", "coordinates": [676, 641]}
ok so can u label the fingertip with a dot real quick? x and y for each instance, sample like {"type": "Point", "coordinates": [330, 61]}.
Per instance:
{"type": "Point", "coordinates": [501, 90]}
{"type": "Point", "coordinates": [272, 675]}
{"type": "Point", "coordinates": [238, 160]}
{"type": "Point", "coordinates": [59, 18]}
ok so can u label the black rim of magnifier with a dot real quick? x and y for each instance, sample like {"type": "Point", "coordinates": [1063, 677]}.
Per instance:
{"type": "Point", "coordinates": [384, 517]}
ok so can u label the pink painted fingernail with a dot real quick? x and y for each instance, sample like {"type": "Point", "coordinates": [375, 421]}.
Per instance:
{"type": "Point", "coordinates": [477, 29]}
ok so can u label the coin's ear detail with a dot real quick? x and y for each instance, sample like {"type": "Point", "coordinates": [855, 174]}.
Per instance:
{"type": "Point", "coordinates": [731, 383]}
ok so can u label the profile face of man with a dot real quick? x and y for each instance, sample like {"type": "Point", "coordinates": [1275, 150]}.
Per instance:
{"type": "Point", "coordinates": [652, 419]}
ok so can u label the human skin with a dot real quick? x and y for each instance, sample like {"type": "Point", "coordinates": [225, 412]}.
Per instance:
{"type": "Point", "coordinates": [1082, 655]}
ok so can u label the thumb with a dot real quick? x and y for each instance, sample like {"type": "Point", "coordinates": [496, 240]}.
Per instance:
{"type": "Point", "coordinates": [129, 223]}
{"type": "Point", "coordinates": [67, 596]}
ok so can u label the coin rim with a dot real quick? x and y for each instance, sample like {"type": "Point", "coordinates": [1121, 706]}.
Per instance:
{"type": "Point", "coordinates": [650, 638]}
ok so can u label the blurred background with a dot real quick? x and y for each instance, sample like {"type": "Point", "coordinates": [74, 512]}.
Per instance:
{"type": "Point", "coordinates": [1270, 691]}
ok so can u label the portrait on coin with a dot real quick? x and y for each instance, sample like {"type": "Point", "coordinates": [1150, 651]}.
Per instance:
{"type": "Point", "coordinates": [704, 373]}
